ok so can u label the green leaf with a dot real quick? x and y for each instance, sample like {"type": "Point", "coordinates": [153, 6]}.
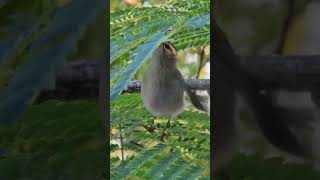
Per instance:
{"type": "Point", "coordinates": [47, 53]}
{"type": "Point", "coordinates": [142, 53]}
{"type": "Point", "coordinates": [136, 33]}
{"type": "Point", "coordinates": [162, 165]}
{"type": "Point", "coordinates": [134, 165]}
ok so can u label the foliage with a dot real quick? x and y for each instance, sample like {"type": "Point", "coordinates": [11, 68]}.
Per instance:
{"type": "Point", "coordinates": [161, 163]}
{"type": "Point", "coordinates": [136, 32]}
{"type": "Point", "coordinates": [36, 42]}
{"type": "Point", "coordinates": [54, 140]}
{"type": "Point", "coordinates": [186, 149]}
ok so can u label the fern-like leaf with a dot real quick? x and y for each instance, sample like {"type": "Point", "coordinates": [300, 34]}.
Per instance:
{"type": "Point", "coordinates": [162, 165]}
{"type": "Point", "coordinates": [137, 32]}
{"type": "Point", "coordinates": [159, 163]}
{"type": "Point", "coordinates": [133, 166]}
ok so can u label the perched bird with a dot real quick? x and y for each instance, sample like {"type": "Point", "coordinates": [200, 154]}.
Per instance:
{"type": "Point", "coordinates": [163, 85]}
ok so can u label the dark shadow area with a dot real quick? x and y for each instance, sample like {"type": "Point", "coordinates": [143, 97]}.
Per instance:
{"type": "Point", "coordinates": [51, 124]}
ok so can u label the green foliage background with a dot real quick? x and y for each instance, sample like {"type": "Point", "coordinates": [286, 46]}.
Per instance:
{"type": "Point", "coordinates": [135, 33]}
{"type": "Point", "coordinates": [255, 27]}
{"type": "Point", "coordinates": [187, 146]}
{"type": "Point", "coordinates": [54, 140]}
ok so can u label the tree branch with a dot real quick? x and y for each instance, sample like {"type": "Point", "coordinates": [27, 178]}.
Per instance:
{"type": "Point", "coordinates": [298, 72]}
{"type": "Point", "coordinates": [195, 84]}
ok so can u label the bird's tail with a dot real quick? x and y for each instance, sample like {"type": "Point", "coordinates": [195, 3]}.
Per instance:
{"type": "Point", "coordinates": [195, 100]}
{"type": "Point", "coordinates": [273, 121]}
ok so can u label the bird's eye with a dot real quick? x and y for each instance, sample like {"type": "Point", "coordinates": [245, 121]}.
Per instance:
{"type": "Point", "coordinates": [167, 46]}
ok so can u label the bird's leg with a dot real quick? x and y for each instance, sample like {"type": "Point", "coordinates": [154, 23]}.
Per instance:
{"type": "Point", "coordinates": [167, 125]}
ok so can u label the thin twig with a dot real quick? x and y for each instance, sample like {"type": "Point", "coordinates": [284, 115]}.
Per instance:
{"type": "Point", "coordinates": [286, 27]}
{"type": "Point", "coordinates": [121, 141]}
{"type": "Point", "coordinates": [201, 61]}
{"type": "Point", "coordinates": [136, 143]}
{"type": "Point", "coordinates": [149, 129]}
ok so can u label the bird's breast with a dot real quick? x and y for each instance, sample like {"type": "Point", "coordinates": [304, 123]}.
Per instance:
{"type": "Point", "coordinates": [163, 97]}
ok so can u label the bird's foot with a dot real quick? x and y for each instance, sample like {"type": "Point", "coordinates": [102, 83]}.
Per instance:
{"type": "Point", "coordinates": [162, 136]}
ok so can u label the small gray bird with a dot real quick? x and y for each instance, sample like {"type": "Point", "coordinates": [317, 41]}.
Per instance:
{"type": "Point", "coordinates": [163, 85]}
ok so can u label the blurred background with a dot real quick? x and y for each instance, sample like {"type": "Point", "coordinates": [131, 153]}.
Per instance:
{"type": "Point", "coordinates": [57, 137]}
{"type": "Point", "coordinates": [266, 27]}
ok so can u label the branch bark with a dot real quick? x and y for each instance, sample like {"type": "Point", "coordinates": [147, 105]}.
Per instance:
{"type": "Point", "coordinates": [297, 72]}
{"type": "Point", "coordinates": [80, 79]}
{"type": "Point", "coordinates": [195, 84]}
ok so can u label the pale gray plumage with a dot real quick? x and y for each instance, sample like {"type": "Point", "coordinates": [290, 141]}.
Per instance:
{"type": "Point", "coordinates": [163, 84]}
